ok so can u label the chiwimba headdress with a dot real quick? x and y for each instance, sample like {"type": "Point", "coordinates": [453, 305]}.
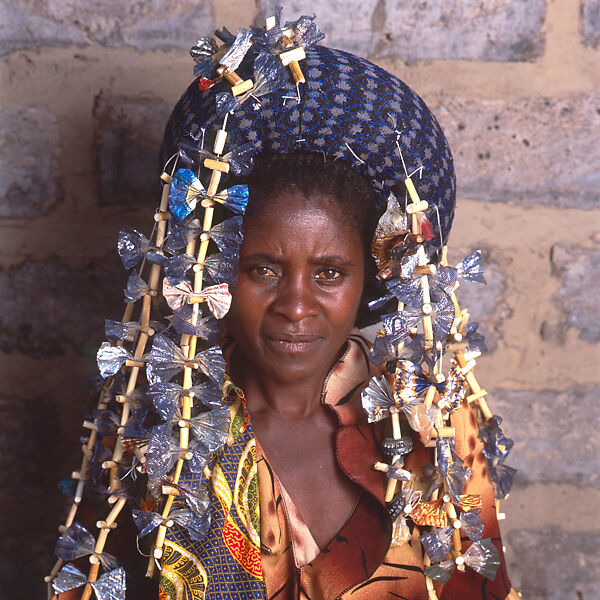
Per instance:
{"type": "Point", "coordinates": [273, 90]}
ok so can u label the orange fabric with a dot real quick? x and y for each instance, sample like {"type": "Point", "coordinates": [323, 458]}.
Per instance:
{"type": "Point", "coordinates": [359, 563]}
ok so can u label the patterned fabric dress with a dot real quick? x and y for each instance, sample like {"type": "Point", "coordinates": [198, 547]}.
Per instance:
{"type": "Point", "coordinates": [257, 543]}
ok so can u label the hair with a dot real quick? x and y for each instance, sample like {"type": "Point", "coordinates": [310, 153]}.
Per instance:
{"type": "Point", "coordinates": [312, 174]}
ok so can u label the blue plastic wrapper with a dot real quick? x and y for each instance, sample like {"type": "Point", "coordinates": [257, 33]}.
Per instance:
{"type": "Point", "coordinates": [176, 267]}
{"type": "Point", "coordinates": [471, 268]}
{"type": "Point", "coordinates": [76, 541]}
{"type": "Point", "coordinates": [472, 524]}
{"type": "Point", "coordinates": [409, 384]}
{"type": "Point", "coordinates": [133, 246]}
{"type": "Point", "coordinates": [206, 328]}
{"type": "Point", "coordinates": [437, 543]}
{"type": "Point", "coordinates": [111, 358]}
{"type": "Point", "coordinates": [269, 75]}
{"type": "Point", "coordinates": [222, 267]}
{"type": "Point", "coordinates": [136, 288]}
{"type": "Point", "coordinates": [456, 478]}
{"type": "Point", "coordinates": [443, 318]}
{"type": "Point", "coordinates": [185, 192]}
{"type": "Point", "coordinates": [236, 53]}
{"type": "Point", "coordinates": [408, 292]}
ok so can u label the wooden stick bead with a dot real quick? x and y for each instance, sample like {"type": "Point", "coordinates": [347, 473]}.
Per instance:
{"type": "Point", "coordinates": [428, 269]}
{"type": "Point", "coordinates": [296, 72]}
{"type": "Point", "coordinates": [476, 396]}
{"type": "Point", "coordinates": [162, 216]}
{"type": "Point", "coordinates": [134, 363]}
{"type": "Point", "coordinates": [430, 395]}
{"type": "Point", "coordinates": [296, 54]}
{"type": "Point", "coordinates": [415, 207]}
{"type": "Point", "coordinates": [443, 432]}
{"type": "Point", "coordinates": [220, 139]}
{"type": "Point", "coordinates": [412, 192]}
{"type": "Point", "coordinates": [166, 177]}
{"type": "Point", "coordinates": [105, 525]}
{"type": "Point", "coordinates": [216, 165]}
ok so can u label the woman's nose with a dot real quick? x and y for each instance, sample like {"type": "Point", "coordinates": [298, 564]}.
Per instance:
{"type": "Point", "coordinates": [295, 299]}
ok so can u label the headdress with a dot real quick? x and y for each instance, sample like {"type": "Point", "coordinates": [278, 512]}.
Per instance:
{"type": "Point", "coordinates": [274, 90]}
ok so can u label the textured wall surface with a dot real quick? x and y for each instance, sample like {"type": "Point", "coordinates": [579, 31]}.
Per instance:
{"type": "Point", "coordinates": [86, 89]}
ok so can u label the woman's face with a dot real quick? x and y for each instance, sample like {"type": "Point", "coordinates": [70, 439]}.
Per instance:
{"type": "Point", "coordinates": [299, 285]}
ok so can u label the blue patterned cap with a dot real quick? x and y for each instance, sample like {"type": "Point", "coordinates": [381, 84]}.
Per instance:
{"type": "Point", "coordinates": [348, 108]}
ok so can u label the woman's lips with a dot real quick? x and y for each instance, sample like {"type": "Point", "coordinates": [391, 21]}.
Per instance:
{"type": "Point", "coordinates": [293, 344]}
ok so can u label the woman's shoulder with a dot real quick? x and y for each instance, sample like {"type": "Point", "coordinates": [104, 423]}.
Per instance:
{"type": "Point", "coordinates": [347, 378]}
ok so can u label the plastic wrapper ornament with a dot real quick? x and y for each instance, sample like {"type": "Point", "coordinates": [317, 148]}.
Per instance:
{"type": "Point", "coordinates": [305, 33]}
{"type": "Point", "coordinates": [472, 524]}
{"type": "Point", "coordinates": [240, 160]}
{"type": "Point", "coordinates": [196, 526]}
{"type": "Point", "coordinates": [166, 359]}
{"type": "Point", "coordinates": [163, 452]}
{"type": "Point", "coordinates": [196, 499]}
{"type": "Point", "coordinates": [455, 390]}
{"type": "Point", "coordinates": [227, 234]}
{"type": "Point", "coordinates": [396, 328]}
{"type": "Point", "coordinates": [482, 556]}
{"type": "Point", "coordinates": [133, 246]}
{"type": "Point", "coordinates": [109, 586]}
{"type": "Point", "coordinates": [76, 541]}
{"type": "Point", "coordinates": [165, 397]}
{"type": "Point", "coordinates": [136, 288]}
{"type": "Point", "coordinates": [436, 543]}
{"type": "Point", "coordinates": [186, 322]}
{"type": "Point", "coordinates": [235, 55]}
{"type": "Point", "coordinates": [211, 428]}
{"type": "Point", "coordinates": [269, 75]}
{"type": "Point", "coordinates": [187, 190]}
{"type": "Point", "coordinates": [116, 331]}
{"type": "Point", "coordinates": [496, 449]}
{"type": "Point", "coordinates": [217, 297]}
{"type": "Point", "coordinates": [111, 358]}
{"type": "Point", "coordinates": [222, 267]}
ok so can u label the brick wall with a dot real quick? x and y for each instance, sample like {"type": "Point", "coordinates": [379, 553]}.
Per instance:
{"type": "Point", "coordinates": [86, 89]}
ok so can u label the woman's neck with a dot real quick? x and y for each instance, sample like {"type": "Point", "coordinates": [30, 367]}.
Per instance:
{"type": "Point", "coordinates": [265, 394]}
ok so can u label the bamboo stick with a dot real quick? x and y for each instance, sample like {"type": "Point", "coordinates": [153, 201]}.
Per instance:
{"type": "Point", "coordinates": [191, 342]}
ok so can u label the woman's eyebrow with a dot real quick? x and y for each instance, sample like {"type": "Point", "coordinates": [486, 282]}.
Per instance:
{"type": "Point", "coordinates": [334, 259]}
{"type": "Point", "coordinates": [260, 256]}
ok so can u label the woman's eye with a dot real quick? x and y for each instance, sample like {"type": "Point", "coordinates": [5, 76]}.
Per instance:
{"type": "Point", "coordinates": [264, 272]}
{"type": "Point", "coordinates": [328, 275]}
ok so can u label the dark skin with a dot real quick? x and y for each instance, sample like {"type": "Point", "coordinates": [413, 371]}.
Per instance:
{"type": "Point", "coordinates": [299, 285]}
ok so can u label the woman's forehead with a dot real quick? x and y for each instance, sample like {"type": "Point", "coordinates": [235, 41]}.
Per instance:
{"type": "Point", "coordinates": [296, 226]}
{"type": "Point", "coordinates": [302, 211]}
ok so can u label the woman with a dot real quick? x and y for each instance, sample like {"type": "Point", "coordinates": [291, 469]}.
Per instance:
{"type": "Point", "coordinates": [292, 505]}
